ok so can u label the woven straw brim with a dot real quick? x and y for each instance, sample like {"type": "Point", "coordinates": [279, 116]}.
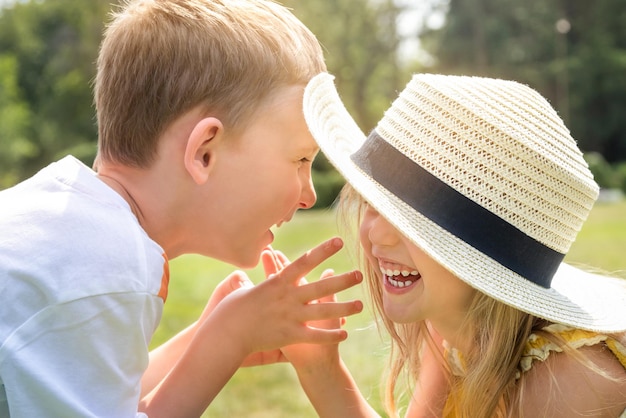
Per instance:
{"type": "Point", "coordinates": [576, 298]}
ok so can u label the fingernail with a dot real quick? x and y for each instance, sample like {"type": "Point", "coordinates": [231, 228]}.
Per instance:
{"type": "Point", "coordinates": [336, 242]}
{"type": "Point", "coordinates": [359, 305]}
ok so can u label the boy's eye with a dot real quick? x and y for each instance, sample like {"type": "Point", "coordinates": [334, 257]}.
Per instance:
{"type": "Point", "coordinates": [305, 160]}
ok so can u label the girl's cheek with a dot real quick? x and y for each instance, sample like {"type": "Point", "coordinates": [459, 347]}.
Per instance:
{"type": "Point", "coordinates": [365, 227]}
{"type": "Point", "coordinates": [364, 237]}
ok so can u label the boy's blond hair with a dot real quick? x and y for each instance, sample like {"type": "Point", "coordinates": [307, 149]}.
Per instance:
{"type": "Point", "coordinates": [161, 58]}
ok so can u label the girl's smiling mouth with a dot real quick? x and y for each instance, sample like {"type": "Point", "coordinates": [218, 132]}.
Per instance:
{"type": "Point", "coordinates": [399, 277]}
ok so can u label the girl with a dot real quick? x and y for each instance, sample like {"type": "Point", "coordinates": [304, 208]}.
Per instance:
{"type": "Point", "coordinates": [469, 193]}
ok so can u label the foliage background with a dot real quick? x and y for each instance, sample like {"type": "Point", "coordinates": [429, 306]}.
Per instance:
{"type": "Point", "coordinates": [48, 51]}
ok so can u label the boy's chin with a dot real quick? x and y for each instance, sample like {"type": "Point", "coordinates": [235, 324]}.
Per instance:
{"type": "Point", "coordinates": [248, 257]}
{"type": "Point", "coordinates": [246, 261]}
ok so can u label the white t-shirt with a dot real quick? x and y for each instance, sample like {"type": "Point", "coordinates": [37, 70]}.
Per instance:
{"type": "Point", "coordinates": [82, 289]}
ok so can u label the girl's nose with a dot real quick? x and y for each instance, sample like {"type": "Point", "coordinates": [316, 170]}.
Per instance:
{"type": "Point", "coordinates": [379, 230]}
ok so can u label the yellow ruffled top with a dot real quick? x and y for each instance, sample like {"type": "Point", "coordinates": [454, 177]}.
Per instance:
{"type": "Point", "coordinates": [539, 348]}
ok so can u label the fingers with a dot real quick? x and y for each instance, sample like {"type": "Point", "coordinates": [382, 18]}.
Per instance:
{"type": "Point", "coordinates": [321, 311]}
{"type": "Point", "coordinates": [292, 272]}
{"type": "Point", "coordinates": [274, 262]}
{"type": "Point", "coordinates": [328, 311]}
{"type": "Point", "coordinates": [282, 258]}
{"type": "Point", "coordinates": [322, 289]}
{"type": "Point", "coordinates": [327, 274]}
{"type": "Point", "coordinates": [323, 336]}
{"type": "Point", "coordinates": [270, 262]}
{"type": "Point", "coordinates": [264, 357]}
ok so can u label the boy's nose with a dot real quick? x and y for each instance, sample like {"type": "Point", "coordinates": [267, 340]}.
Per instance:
{"type": "Point", "coordinates": [308, 196]}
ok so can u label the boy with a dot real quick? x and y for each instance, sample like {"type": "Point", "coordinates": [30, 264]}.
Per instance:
{"type": "Point", "coordinates": [202, 149]}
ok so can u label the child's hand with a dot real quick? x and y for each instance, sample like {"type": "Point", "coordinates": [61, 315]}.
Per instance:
{"type": "Point", "coordinates": [322, 374]}
{"type": "Point", "coordinates": [279, 311]}
{"type": "Point", "coordinates": [306, 357]}
{"type": "Point", "coordinates": [233, 282]}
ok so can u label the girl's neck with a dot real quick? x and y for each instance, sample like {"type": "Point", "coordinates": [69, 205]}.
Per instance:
{"type": "Point", "coordinates": [459, 337]}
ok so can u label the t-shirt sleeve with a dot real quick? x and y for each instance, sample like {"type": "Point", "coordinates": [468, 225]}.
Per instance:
{"type": "Point", "coordinates": [83, 358]}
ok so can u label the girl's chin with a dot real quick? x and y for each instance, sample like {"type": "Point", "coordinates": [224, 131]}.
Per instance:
{"type": "Point", "coordinates": [400, 309]}
{"type": "Point", "coordinates": [399, 317]}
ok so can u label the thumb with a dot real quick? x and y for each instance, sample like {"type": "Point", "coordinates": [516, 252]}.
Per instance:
{"type": "Point", "coordinates": [233, 282]}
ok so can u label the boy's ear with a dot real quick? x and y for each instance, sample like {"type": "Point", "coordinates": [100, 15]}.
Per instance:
{"type": "Point", "coordinates": [200, 149]}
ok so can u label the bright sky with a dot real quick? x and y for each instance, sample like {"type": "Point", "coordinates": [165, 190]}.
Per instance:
{"type": "Point", "coordinates": [4, 3]}
{"type": "Point", "coordinates": [409, 25]}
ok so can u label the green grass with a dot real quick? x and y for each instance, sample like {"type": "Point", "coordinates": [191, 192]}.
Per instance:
{"type": "Point", "coordinates": [273, 391]}
{"type": "Point", "coordinates": [602, 240]}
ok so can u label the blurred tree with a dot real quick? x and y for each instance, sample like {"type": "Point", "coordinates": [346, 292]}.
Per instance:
{"type": "Point", "coordinates": [48, 51]}
{"type": "Point", "coordinates": [53, 47]}
{"type": "Point", "coordinates": [572, 51]}
{"type": "Point", "coordinates": [361, 40]}
{"type": "Point", "coordinates": [597, 73]}
{"type": "Point", "coordinates": [15, 120]}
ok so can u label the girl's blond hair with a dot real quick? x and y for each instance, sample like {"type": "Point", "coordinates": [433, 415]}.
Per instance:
{"type": "Point", "coordinates": [489, 387]}
{"type": "Point", "coordinates": [161, 58]}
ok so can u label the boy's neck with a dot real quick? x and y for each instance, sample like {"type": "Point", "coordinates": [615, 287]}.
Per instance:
{"type": "Point", "coordinates": [124, 193]}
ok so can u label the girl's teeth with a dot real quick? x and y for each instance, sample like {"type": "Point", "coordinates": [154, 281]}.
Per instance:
{"type": "Point", "coordinates": [399, 283]}
{"type": "Point", "coordinates": [404, 273]}
{"type": "Point", "coordinates": [393, 275]}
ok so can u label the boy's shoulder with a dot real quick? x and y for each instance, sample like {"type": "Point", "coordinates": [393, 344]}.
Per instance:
{"type": "Point", "coordinates": [65, 225]}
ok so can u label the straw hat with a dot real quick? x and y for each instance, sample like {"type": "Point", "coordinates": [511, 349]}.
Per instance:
{"type": "Point", "coordinates": [484, 176]}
